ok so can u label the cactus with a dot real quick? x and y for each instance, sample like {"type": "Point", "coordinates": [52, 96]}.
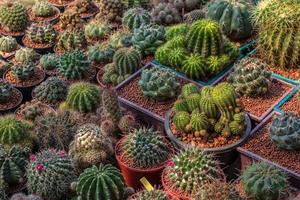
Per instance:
{"type": "Point", "coordinates": [97, 30]}
{"type": "Point", "coordinates": [8, 44]}
{"type": "Point", "coordinates": [13, 17]}
{"type": "Point", "coordinates": [111, 106]}
{"type": "Point", "coordinates": [194, 66]}
{"type": "Point", "coordinates": [148, 38]}
{"type": "Point", "coordinates": [173, 57]}
{"type": "Point", "coordinates": [127, 123]}
{"type": "Point", "coordinates": [216, 64]}
{"type": "Point", "coordinates": [31, 110]}
{"type": "Point", "coordinates": [6, 91]}
{"type": "Point", "coordinates": [199, 122]}
{"type": "Point", "coordinates": [90, 146]}
{"type": "Point", "coordinates": [23, 72]}
{"type": "Point", "coordinates": [150, 195]}
{"type": "Point", "coordinates": [41, 33]}
{"type": "Point", "coordinates": [111, 75]}
{"type": "Point", "coordinates": [250, 77]}
{"type": "Point", "coordinates": [112, 10]}
{"type": "Point", "coordinates": [165, 14]}
{"type": "Point", "coordinates": [208, 106]}
{"type": "Point", "coordinates": [25, 55]}
{"type": "Point", "coordinates": [121, 38]}
{"type": "Point", "coordinates": [233, 17]}
{"type": "Point", "coordinates": [205, 38]}
{"type": "Point", "coordinates": [49, 61]}
{"type": "Point", "coordinates": [135, 18]}
{"type": "Point", "coordinates": [284, 131]}
{"type": "Point", "coordinates": [176, 30]}
{"type": "Point", "coordinates": [181, 120]}
{"type": "Point", "coordinates": [175, 42]}
{"type": "Point", "coordinates": [194, 16]}
{"type": "Point", "coordinates": [83, 97]}
{"type": "Point", "coordinates": [189, 89]}
{"type": "Point", "coordinates": [188, 5]}
{"type": "Point", "coordinates": [42, 9]}
{"type": "Point", "coordinates": [51, 91]}
{"type": "Point", "coordinates": [272, 181]}
{"type": "Point", "coordinates": [71, 39]}
{"type": "Point", "coordinates": [21, 196]}
{"type": "Point", "coordinates": [135, 3]}
{"type": "Point", "coordinates": [82, 6]}
{"type": "Point", "coordinates": [105, 178]}
{"type": "Point", "coordinates": [50, 174]}
{"type": "Point", "coordinates": [70, 20]}
{"type": "Point", "coordinates": [3, 194]}
{"type": "Point", "coordinates": [159, 84]}
{"type": "Point", "coordinates": [74, 65]}
{"type": "Point", "coordinates": [101, 53]}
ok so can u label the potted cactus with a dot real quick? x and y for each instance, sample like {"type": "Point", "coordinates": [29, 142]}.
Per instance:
{"type": "Point", "coordinates": [112, 10]}
{"type": "Point", "coordinates": [49, 63]}
{"type": "Point", "coordinates": [61, 4]}
{"type": "Point", "coordinates": [100, 54]}
{"type": "Point", "coordinates": [120, 38]}
{"type": "Point", "coordinates": [8, 46]}
{"type": "Point", "coordinates": [165, 14]}
{"type": "Point", "coordinates": [4, 66]}
{"type": "Point", "coordinates": [42, 11]}
{"type": "Point", "coordinates": [69, 20]}
{"type": "Point", "coordinates": [10, 97]}
{"type": "Point", "coordinates": [144, 152]}
{"type": "Point", "coordinates": [152, 194]}
{"type": "Point", "coordinates": [71, 40]}
{"type": "Point", "coordinates": [25, 55]}
{"type": "Point", "coordinates": [97, 31]}
{"type": "Point", "coordinates": [85, 8]}
{"type": "Point", "coordinates": [135, 18]}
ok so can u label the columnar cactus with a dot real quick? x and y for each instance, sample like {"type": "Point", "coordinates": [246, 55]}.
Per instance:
{"type": "Point", "coordinates": [135, 3]}
{"type": "Point", "coordinates": [97, 30]}
{"type": "Point", "coordinates": [71, 39]}
{"type": "Point", "coordinates": [8, 44]}
{"type": "Point", "coordinates": [105, 178]}
{"type": "Point", "coordinates": [272, 181]}
{"type": "Point", "coordinates": [101, 53]}
{"type": "Point", "coordinates": [23, 71]}
{"type": "Point", "coordinates": [70, 20]}
{"type": "Point", "coordinates": [136, 17]}
{"type": "Point", "coordinates": [159, 84]}
{"type": "Point", "coordinates": [49, 61]}
{"type": "Point", "coordinates": [165, 13]}
{"type": "Point", "coordinates": [110, 104]}
{"type": "Point", "coordinates": [112, 10]}
{"type": "Point", "coordinates": [149, 195]}
{"type": "Point", "coordinates": [42, 9]}
{"type": "Point", "coordinates": [5, 91]}
{"type": "Point", "coordinates": [25, 55]}
{"type": "Point", "coordinates": [41, 33]}
{"type": "Point", "coordinates": [50, 174]}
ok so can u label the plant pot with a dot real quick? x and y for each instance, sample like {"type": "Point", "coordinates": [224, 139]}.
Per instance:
{"type": "Point", "coordinates": [289, 103]}
{"type": "Point", "coordinates": [246, 48]}
{"type": "Point", "coordinates": [100, 82]}
{"type": "Point", "coordinates": [17, 35]}
{"type": "Point", "coordinates": [39, 50]}
{"type": "Point", "coordinates": [52, 19]}
{"type": "Point", "coordinates": [16, 103]}
{"type": "Point", "coordinates": [90, 14]}
{"type": "Point", "coordinates": [249, 156]}
{"type": "Point", "coordinates": [9, 55]}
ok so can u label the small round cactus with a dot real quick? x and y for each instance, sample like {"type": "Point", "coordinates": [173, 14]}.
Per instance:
{"type": "Point", "coordinates": [23, 71]}
{"type": "Point", "coordinates": [97, 30]}
{"type": "Point", "coordinates": [70, 20]}
{"type": "Point", "coordinates": [49, 61]}
{"type": "Point", "coordinates": [42, 9]}
{"type": "Point", "coordinates": [8, 44]}
{"type": "Point", "coordinates": [25, 55]}
{"type": "Point", "coordinates": [176, 30]}
{"type": "Point", "coordinates": [70, 40]}
{"type": "Point", "coordinates": [194, 66]}
{"type": "Point", "coordinates": [41, 33]}
{"type": "Point", "coordinates": [165, 14]}
{"type": "Point", "coordinates": [136, 17]}
{"type": "Point", "coordinates": [5, 91]}
{"type": "Point", "coordinates": [101, 53]}
{"type": "Point", "coordinates": [120, 38]}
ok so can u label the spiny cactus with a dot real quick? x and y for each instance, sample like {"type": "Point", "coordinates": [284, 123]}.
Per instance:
{"type": "Point", "coordinates": [176, 42]}
{"type": "Point", "coordinates": [120, 38]}
{"type": "Point", "coordinates": [83, 97]}
{"type": "Point", "coordinates": [73, 65]}
{"type": "Point", "coordinates": [8, 44]}
{"type": "Point", "coordinates": [176, 30]}
{"type": "Point", "coordinates": [41, 33]}
{"type": "Point", "coordinates": [25, 55]}
{"type": "Point", "coordinates": [233, 17]}
{"type": "Point", "coordinates": [31, 110]}
{"type": "Point", "coordinates": [97, 30]}
{"type": "Point", "coordinates": [110, 104]}
{"type": "Point", "coordinates": [135, 18]}
{"type": "Point", "coordinates": [149, 195]}
{"type": "Point", "coordinates": [194, 66]}
{"type": "Point", "coordinates": [165, 13]}
{"type": "Point", "coordinates": [284, 131]}
{"type": "Point", "coordinates": [112, 10]}
{"type": "Point", "coordinates": [250, 77]}
{"type": "Point", "coordinates": [272, 181]}
{"type": "Point", "coordinates": [171, 56]}
{"type": "Point", "coordinates": [159, 84]}
{"type": "Point", "coordinates": [49, 61]}
{"type": "Point", "coordinates": [71, 39]}
{"type": "Point", "coordinates": [216, 64]}
{"type": "Point", "coordinates": [127, 123]}
{"type": "Point", "coordinates": [50, 174]}
{"type": "Point", "coordinates": [101, 53]}
{"type": "Point", "coordinates": [105, 178]}
{"type": "Point", "coordinates": [23, 71]}
{"type": "Point", "coordinates": [135, 3]}
{"type": "Point", "coordinates": [51, 91]}
{"type": "Point", "coordinates": [82, 6]}
{"type": "Point", "coordinates": [111, 75]}
{"type": "Point", "coordinates": [181, 120]}
{"type": "Point", "coordinates": [42, 9]}
{"type": "Point", "coordinates": [5, 91]}
{"type": "Point", "coordinates": [199, 123]}
{"type": "Point", "coordinates": [194, 16]}
{"type": "Point", "coordinates": [188, 89]}
{"type": "Point", "coordinates": [70, 20]}
{"type": "Point", "coordinates": [188, 5]}
{"type": "Point", "coordinates": [22, 196]}
{"type": "Point", "coordinates": [13, 17]}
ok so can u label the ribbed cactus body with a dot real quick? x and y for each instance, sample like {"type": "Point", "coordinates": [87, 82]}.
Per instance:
{"type": "Point", "coordinates": [188, 89]}
{"type": "Point", "coordinates": [43, 9]}
{"type": "Point", "coordinates": [25, 55]}
{"type": "Point", "coordinates": [49, 61]}
{"type": "Point", "coordinates": [176, 30]}
{"type": "Point", "coordinates": [121, 38]}
{"type": "Point", "coordinates": [199, 121]}
{"type": "Point", "coordinates": [23, 71]}
{"type": "Point", "coordinates": [127, 61]}
{"type": "Point", "coordinates": [5, 91]}
{"type": "Point", "coordinates": [194, 66]}
{"type": "Point", "coordinates": [135, 3]}
{"type": "Point", "coordinates": [101, 53]}
{"type": "Point", "coordinates": [97, 30]}
{"type": "Point", "coordinates": [41, 33]}
{"type": "Point", "coordinates": [8, 44]}
{"type": "Point", "coordinates": [135, 18]}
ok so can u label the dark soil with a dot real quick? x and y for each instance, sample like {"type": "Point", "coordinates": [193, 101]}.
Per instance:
{"type": "Point", "coordinates": [29, 43]}
{"type": "Point", "coordinates": [3, 31]}
{"type": "Point", "coordinates": [292, 105]}
{"type": "Point", "coordinates": [34, 18]}
{"type": "Point", "coordinates": [13, 102]}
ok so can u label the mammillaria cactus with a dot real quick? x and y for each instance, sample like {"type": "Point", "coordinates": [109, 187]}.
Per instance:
{"type": "Point", "coordinates": [284, 131]}
{"type": "Point", "coordinates": [148, 38]}
{"type": "Point", "coordinates": [149, 195]}
{"type": "Point", "coordinates": [110, 104]}
{"type": "Point", "coordinates": [23, 71]}
{"type": "Point", "coordinates": [41, 33]}
{"type": "Point", "coordinates": [71, 39]}
{"type": "Point", "coordinates": [5, 91]}
{"type": "Point", "coordinates": [51, 91]}
{"type": "Point", "coordinates": [135, 3]}
{"type": "Point", "coordinates": [49, 61]}
{"type": "Point", "coordinates": [42, 9]}
{"type": "Point", "coordinates": [250, 77]}
{"type": "Point", "coordinates": [194, 66]}
{"type": "Point", "coordinates": [70, 20]}
{"type": "Point", "coordinates": [8, 44]}
{"type": "Point", "coordinates": [104, 178]}
{"type": "Point", "coordinates": [101, 53]}
{"type": "Point", "coordinates": [50, 174]}
{"type": "Point", "coordinates": [136, 17]}
{"type": "Point", "coordinates": [165, 14]}
{"type": "Point", "coordinates": [272, 181]}
{"type": "Point", "coordinates": [13, 17]}
{"type": "Point", "coordinates": [233, 17]}
{"type": "Point", "coordinates": [112, 10]}
{"type": "Point", "coordinates": [159, 84]}
{"type": "Point", "coordinates": [97, 30]}
{"type": "Point", "coordinates": [25, 55]}
{"type": "Point", "coordinates": [82, 6]}
{"type": "Point", "coordinates": [83, 97]}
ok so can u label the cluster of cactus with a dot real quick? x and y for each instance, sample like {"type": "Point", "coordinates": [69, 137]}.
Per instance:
{"type": "Point", "coordinates": [194, 16]}
{"type": "Point", "coordinates": [82, 6]}
{"type": "Point", "coordinates": [136, 17]}
{"type": "Point", "coordinates": [24, 71]}
{"type": "Point", "coordinates": [278, 46]}
{"type": "Point", "coordinates": [233, 17]}
{"type": "Point", "coordinates": [70, 19]}
{"type": "Point", "coordinates": [145, 148]}
{"type": "Point", "coordinates": [149, 195]}
{"type": "Point", "coordinates": [31, 110]}
{"type": "Point", "coordinates": [49, 61]}
{"type": "Point", "coordinates": [13, 17]}
{"type": "Point", "coordinates": [159, 84]}
{"type": "Point", "coordinates": [50, 174]}
{"type": "Point", "coordinates": [6, 91]}
{"type": "Point", "coordinates": [284, 131]}
{"type": "Point", "coordinates": [176, 30]}
{"type": "Point", "coordinates": [165, 14]}
{"type": "Point", "coordinates": [83, 97]}
{"type": "Point", "coordinates": [148, 38]}
{"type": "Point", "coordinates": [101, 53]}
{"type": "Point", "coordinates": [135, 3]}
{"type": "Point", "coordinates": [43, 9]}
{"type": "Point", "coordinates": [41, 33]}
{"type": "Point", "coordinates": [264, 181]}
{"type": "Point", "coordinates": [105, 178]}
{"type": "Point", "coordinates": [121, 38]}
{"type": "Point", "coordinates": [97, 30]}
{"type": "Point", "coordinates": [73, 65]}
{"type": "Point", "coordinates": [8, 44]}
{"type": "Point", "coordinates": [51, 91]}
{"type": "Point", "coordinates": [22, 196]}
{"type": "Point", "coordinates": [71, 39]}
{"type": "Point", "coordinates": [112, 10]}
{"type": "Point", "coordinates": [91, 146]}
{"type": "Point", "coordinates": [250, 77]}
{"type": "Point", "coordinates": [110, 105]}
{"type": "Point", "coordinates": [25, 55]}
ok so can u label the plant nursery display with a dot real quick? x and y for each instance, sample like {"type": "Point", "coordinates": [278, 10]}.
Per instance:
{"type": "Point", "coordinates": [43, 11]}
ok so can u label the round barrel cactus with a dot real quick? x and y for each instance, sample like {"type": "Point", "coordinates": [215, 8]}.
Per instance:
{"type": "Point", "coordinates": [136, 17]}
{"type": "Point", "coordinates": [101, 53]}
{"type": "Point", "coordinates": [194, 66]}
{"type": "Point", "coordinates": [71, 39]}
{"type": "Point", "coordinates": [43, 9]}
{"type": "Point", "coordinates": [8, 44]}
{"type": "Point", "coordinates": [41, 33]}
{"type": "Point", "coordinates": [97, 30]}
{"type": "Point", "coordinates": [49, 61]}
{"type": "Point", "coordinates": [25, 55]}
{"type": "Point", "coordinates": [24, 71]}
{"type": "Point", "coordinates": [6, 91]}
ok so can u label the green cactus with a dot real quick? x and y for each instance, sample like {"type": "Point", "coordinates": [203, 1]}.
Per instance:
{"type": "Point", "coordinates": [74, 65]}
{"type": "Point", "coordinates": [136, 3]}
{"type": "Point", "coordinates": [112, 10]}
{"type": "Point", "coordinates": [25, 55]}
{"type": "Point", "coordinates": [180, 105]}
{"type": "Point", "coordinates": [135, 18]}
{"type": "Point", "coordinates": [49, 61]}
{"type": "Point", "coordinates": [23, 72]}
{"type": "Point", "coordinates": [150, 195]}
{"type": "Point", "coordinates": [216, 64]}
{"type": "Point", "coordinates": [161, 55]}
{"type": "Point", "coordinates": [205, 38]}
{"type": "Point", "coordinates": [6, 91]}
{"type": "Point", "coordinates": [97, 30]}
{"type": "Point", "coordinates": [194, 16]}
{"type": "Point", "coordinates": [121, 38]}
{"type": "Point", "coordinates": [110, 104]}
{"type": "Point", "coordinates": [105, 178]}
{"type": "Point", "coordinates": [194, 66]}
{"type": "Point", "coordinates": [71, 39]}
{"type": "Point", "coordinates": [181, 119]}
{"type": "Point", "coordinates": [199, 121]}
{"type": "Point", "coordinates": [83, 97]}
{"type": "Point", "coordinates": [111, 75]}
{"type": "Point", "coordinates": [193, 101]}
{"type": "Point", "coordinates": [50, 174]}
{"type": "Point", "coordinates": [188, 89]}
{"type": "Point", "coordinates": [148, 38]}
{"type": "Point", "coordinates": [176, 57]}
{"type": "Point", "coordinates": [51, 91]}
{"type": "Point", "coordinates": [145, 148]}
{"type": "Point", "coordinates": [70, 20]}
{"type": "Point", "coordinates": [13, 17]}
{"type": "Point", "coordinates": [41, 33]}
{"type": "Point", "coordinates": [176, 41]}
{"type": "Point", "coordinates": [263, 181]}
{"type": "Point", "coordinates": [250, 77]}
{"type": "Point", "coordinates": [176, 30]}
{"type": "Point", "coordinates": [159, 84]}
{"type": "Point", "coordinates": [127, 123]}
{"type": "Point", "coordinates": [208, 106]}
{"type": "Point", "coordinates": [101, 53]}
{"type": "Point", "coordinates": [8, 44]}
{"type": "Point", "coordinates": [43, 9]}
{"type": "Point", "coordinates": [31, 110]}
{"type": "Point", "coordinates": [165, 14]}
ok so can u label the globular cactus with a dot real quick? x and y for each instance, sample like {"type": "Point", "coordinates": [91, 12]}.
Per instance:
{"type": "Point", "coordinates": [13, 17]}
{"type": "Point", "coordinates": [6, 91]}
{"type": "Point", "coordinates": [216, 64]}
{"type": "Point", "coordinates": [176, 42]}
{"type": "Point", "coordinates": [83, 97]}
{"type": "Point", "coordinates": [90, 146]}
{"type": "Point", "coordinates": [189, 89]}
{"type": "Point", "coordinates": [148, 38]}
{"type": "Point", "coordinates": [176, 30]}
{"type": "Point", "coordinates": [284, 131]}
{"type": "Point", "coordinates": [199, 123]}
{"type": "Point", "coordinates": [120, 38]}
{"type": "Point", "coordinates": [97, 30]}
{"type": "Point", "coordinates": [51, 91]}
{"type": "Point", "coordinates": [194, 66]}
{"type": "Point", "coordinates": [135, 18]}
{"type": "Point", "coordinates": [106, 178]}
{"type": "Point", "coordinates": [50, 174]}
{"type": "Point", "coordinates": [110, 105]}
{"type": "Point", "coordinates": [49, 61]}
{"type": "Point", "coordinates": [194, 16]}
{"type": "Point", "coordinates": [159, 84]}
{"type": "Point", "coordinates": [73, 65]}
{"type": "Point", "coordinates": [127, 123]}
{"type": "Point", "coordinates": [41, 33]}
{"type": "Point", "coordinates": [31, 110]}
{"type": "Point", "coordinates": [145, 148]}
{"type": "Point", "coordinates": [233, 17]}
{"type": "Point", "coordinates": [181, 120]}
{"type": "Point", "coordinates": [112, 10]}
{"type": "Point", "coordinates": [23, 71]}
{"type": "Point", "coordinates": [188, 5]}
{"type": "Point", "coordinates": [8, 44]}
{"type": "Point", "coordinates": [171, 56]}
{"type": "Point", "coordinates": [101, 53]}
{"type": "Point", "coordinates": [135, 3]}
{"type": "Point", "coordinates": [70, 20]}
{"type": "Point", "coordinates": [42, 9]}
{"type": "Point", "coordinates": [250, 77]}
{"type": "Point", "coordinates": [111, 75]}
{"type": "Point", "coordinates": [25, 55]}
{"type": "Point", "coordinates": [82, 6]}
{"type": "Point", "coordinates": [263, 181]}
{"type": "Point", "coordinates": [71, 39]}
{"type": "Point", "coordinates": [149, 195]}
{"type": "Point", "coordinates": [22, 196]}
{"type": "Point", "coordinates": [165, 14]}
{"type": "Point", "coordinates": [207, 105]}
